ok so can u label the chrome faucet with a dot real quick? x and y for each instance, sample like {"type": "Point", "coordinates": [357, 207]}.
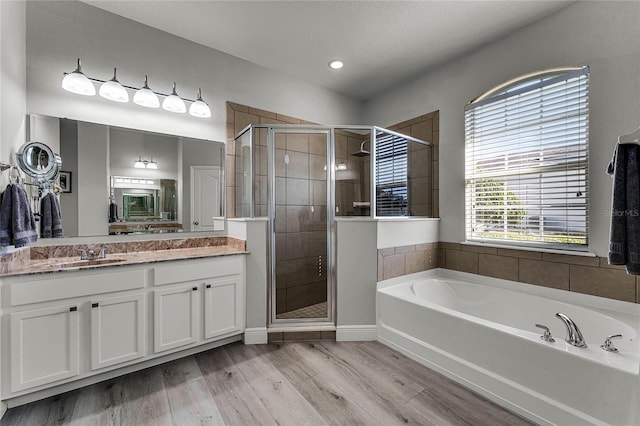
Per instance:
{"type": "Point", "coordinates": [574, 337]}
{"type": "Point", "coordinates": [92, 254]}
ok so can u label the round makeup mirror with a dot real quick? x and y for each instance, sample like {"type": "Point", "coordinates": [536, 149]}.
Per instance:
{"type": "Point", "coordinates": [38, 160]}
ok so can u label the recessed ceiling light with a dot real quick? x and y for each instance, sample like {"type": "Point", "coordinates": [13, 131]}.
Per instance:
{"type": "Point", "coordinates": [336, 64]}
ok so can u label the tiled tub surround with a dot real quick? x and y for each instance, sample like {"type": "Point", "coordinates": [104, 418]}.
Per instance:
{"type": "Point", "coordinates": [48, 258]}
{"type": "Point", "coordinates": [397, 261]}
{"type": "Point", "coordinates": [580, 274]}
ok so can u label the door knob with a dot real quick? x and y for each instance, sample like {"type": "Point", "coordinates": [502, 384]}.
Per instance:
{"type": "Point", "coordinates": [195, 222]}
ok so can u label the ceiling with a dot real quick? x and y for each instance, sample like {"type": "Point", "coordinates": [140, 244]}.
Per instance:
{"type": "Point", "coordinates": [382, 43]}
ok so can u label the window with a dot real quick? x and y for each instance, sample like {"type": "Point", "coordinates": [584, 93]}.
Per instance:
{"type": "Point", "coordinates": [526, 148]}
{"type": "Point", "coordinates": [391, 176]}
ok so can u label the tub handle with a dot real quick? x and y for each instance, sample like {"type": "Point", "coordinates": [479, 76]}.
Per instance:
{"type": "Point", "coordinates": [608, 346]}
{"type": "Point", "coordinates": [547, 337]}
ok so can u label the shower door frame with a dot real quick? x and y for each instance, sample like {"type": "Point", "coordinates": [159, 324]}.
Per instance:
{"type": "Point", "coordinates": [315, 324]}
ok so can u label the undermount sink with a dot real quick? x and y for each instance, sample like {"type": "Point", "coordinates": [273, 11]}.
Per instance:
{"type": "Point", "coordinates": [90, 262]}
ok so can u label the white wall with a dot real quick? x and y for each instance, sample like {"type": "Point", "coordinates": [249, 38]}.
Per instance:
{"type": "Point", "coordinates": [60, 32]}
{"type": "Point", "coordinates": [12, 82]}
{"type": "Point", "coordinates": [603, 35]}
{"type": "Point", "coordinates": [405, 232]}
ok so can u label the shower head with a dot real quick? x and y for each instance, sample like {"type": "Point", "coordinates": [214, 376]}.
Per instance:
{"type": "Point", "coordinates": [362, 152]}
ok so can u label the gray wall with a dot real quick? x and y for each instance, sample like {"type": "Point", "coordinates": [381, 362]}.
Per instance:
{"type": "Point", "coordinates": [69, 154]}
{"type": "Point", "coordinates": [93, 188]}
{"type": "Point", "coordinates": [603, 35]}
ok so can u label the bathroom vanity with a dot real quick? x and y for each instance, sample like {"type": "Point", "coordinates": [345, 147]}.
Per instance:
{"type": "Point", "coordinates": [67, 323]}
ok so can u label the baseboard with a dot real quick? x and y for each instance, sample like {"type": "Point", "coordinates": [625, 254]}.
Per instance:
{"type": "Point", "coordinates": [356, 333]}
{"type": "Point", "coordinates": [255, 336]}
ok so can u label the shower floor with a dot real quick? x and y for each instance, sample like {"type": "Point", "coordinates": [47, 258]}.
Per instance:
{"type": "Point", "coordinates": [319, 310]}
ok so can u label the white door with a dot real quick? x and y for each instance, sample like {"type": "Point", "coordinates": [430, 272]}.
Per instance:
{"type": "Point", "coordinates": [223, 306]}
{"type": "Point", "coordinates": [206, 187]}
{"type": "Point", "coordinates": [44, 346]}
{"type": "Point", "coordinates": [175, 317]}
{"type": "Point", "coordinates": [117, 330]}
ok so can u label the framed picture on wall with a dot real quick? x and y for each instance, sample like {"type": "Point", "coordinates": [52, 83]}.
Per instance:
{"type": "Point", "coordinates": [64, 180]}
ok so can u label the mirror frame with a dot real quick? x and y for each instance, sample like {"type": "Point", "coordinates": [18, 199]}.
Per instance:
{"type": "Point", "coordinates": [47, 174]}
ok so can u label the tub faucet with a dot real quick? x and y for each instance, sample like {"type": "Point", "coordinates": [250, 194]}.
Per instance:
{"type": "Point", "coordinates": [574, 337]}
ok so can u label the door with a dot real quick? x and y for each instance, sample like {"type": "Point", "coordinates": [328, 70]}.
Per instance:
{"type": "Point", "coordinates": [175, 317]}
{"type": "Point", "coordinates": [223, 306]}
{"type": "Point", "coordinates": [117, 330]}
{"type": "Point", "coordinates": [206, 208]}
{"type": "Point", "coordinates": [44, 346]}
{"type": "Point", "coordinates": [301, 226]}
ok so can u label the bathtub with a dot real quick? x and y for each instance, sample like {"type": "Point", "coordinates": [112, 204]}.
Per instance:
{"type": "Point", "coordinates": [481, 332]}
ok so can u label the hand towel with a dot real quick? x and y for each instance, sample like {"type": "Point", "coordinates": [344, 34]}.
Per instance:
{"type": "Point", "coordinates": [23, 223]}
{"type": "Point", "coordinates": [46, 229]}
{"type": "Point", "coordinates": [6, 232]}
{"type": "Point", "coordinates": [624, 235]}
{"type": "Point", "coordinates": [56, 217]}
{"type": "Point", "coordinates": [113, 212]}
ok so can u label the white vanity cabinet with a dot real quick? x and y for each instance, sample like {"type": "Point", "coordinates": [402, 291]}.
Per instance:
{"type": "Point", "coordinates": [117, 330]}
{"type": "Point", "coordinates": [44, 346]}
{"type": "Point", "coordinates": [67, 329]}
{"type": "Point", "coordinates": [175, 317]}
{"type": "Point", "coordinates": [197, 301]}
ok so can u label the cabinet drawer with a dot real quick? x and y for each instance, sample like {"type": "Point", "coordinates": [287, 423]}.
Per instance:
{"type": "Point", "coordinates": [66, 285]}
{"type": "Point", "coordinates": [179, 272]}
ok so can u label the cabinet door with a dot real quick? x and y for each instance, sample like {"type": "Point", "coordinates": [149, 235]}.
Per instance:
{"type": "Point", "coordinates": [44, 346]}
{"type": "Point", "coordinates": [223, 306]}
{"type": "Point", "coordinates": [175, 317]}
{"type": "Point", "coordinates": [117, 330]}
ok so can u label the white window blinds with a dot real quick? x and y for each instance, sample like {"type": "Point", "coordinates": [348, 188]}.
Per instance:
{"type": "Point", "coordinates": [391, 176]}
{"type": "Point", "coordinates": [526, 163]}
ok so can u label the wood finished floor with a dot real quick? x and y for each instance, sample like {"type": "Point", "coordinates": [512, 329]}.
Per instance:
{"type": "Point", "coordinates": [305, 383]}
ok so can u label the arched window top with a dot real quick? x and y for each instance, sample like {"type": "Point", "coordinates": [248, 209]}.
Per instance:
{"type": "Point", "coordinates": [524, 81]}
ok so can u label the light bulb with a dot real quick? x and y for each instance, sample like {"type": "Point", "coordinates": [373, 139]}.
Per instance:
{"type": "Point", "coordinates": [113, 90]}
{"type": "Point", "coordinates": [78, 83]}
{"type": "Point", "coordinates": [200, 108]}
{"type": "Point", "coordinates": [145, 97]}
{"type": "Point", "coordinates": [336, 64]}
{"type": "Point", "coordinates": [173, 102]}
{"type": "Point", "coordinates": [139, 164]}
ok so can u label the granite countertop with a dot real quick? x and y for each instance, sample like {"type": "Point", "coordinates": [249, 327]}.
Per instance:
{"type": "Point", "coordinates": [60, 262]}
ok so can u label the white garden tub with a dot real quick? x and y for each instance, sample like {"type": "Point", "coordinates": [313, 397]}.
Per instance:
{"type": "Point", "coordinates": [481, 332]}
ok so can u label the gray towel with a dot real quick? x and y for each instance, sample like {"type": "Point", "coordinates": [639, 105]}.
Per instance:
{"type": "Point", "coordinates": [6, 233]}
{"type": "Point", "coordinates": [56, 218]}
{"type": "Point", "coordinates": [23, 222]}
{"type": "Point", "coordinates": [51, 219]}
{"type": "Point", "coordinates": [113, 212]}
{"type": "Point", "coordinates": [46, 230]}
{"type": "Point", "coordinates": [624, 236]}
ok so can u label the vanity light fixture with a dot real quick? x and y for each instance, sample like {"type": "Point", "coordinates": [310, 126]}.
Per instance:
{"type": "Point", "coordinates": [145, 164]}
{"type": "Point", "coordinates": [113, 90]}
{"type": "Point", "coordinates": [145, 96]}
{"type": "Point", "coordinates": [79, 83]}
{"type": "Point", "coordinates": [200, 108]}
{"type": "Point", "coordinates": [173, 102]}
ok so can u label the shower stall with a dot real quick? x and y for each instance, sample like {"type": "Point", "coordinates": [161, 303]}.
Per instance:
{"type": "Point", "coordinates": [302, 177]}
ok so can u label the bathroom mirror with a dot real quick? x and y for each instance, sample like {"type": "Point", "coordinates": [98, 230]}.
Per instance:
{"type": "Point", "coordinates": [185, 171]}
{"type": "Point", "coordinates": [38, 161]}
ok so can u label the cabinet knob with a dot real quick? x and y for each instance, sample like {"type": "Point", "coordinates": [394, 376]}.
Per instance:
{"type": "Point", "coordinates": [208, 285]}
{"type": "Point", "coordinates": [195, 289]}
{"type": "Point", "coordinates": [94, 305]}
{"type": "Point", "coordinates": [73, 309]}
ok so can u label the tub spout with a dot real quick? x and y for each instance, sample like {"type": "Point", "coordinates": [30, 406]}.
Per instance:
{"type": "Point", "coordinates": [574, 336]}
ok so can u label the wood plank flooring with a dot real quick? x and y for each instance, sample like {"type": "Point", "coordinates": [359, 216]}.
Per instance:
{"type": "Point", "coordinates": [302, 383]}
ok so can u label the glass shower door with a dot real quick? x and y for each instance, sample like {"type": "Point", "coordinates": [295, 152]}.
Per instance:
{"type": "Point", "coordinates": [301, 232]}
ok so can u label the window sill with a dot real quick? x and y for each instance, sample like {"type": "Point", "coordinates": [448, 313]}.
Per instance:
{"type": "Point", "coordinates": [534, 249]}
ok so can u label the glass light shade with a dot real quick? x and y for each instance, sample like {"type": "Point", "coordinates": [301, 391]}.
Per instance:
{"type": "Point", "coordinates": [145, 97]}
{"type": "Point", "coordinates": [152, 165]}
{"type": "Point", "coordinates": [78, 83]}
{"type": "Point", "coordinates": [200, 108]}
{"type": "Point", "coordinates": [336, 64]}
{"type": "Point", "coordinates": [139, 164]}
{"type": "Point", "coordinates": [113, 90]}
{"type": "Point", "coordinates": [173, 102]}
